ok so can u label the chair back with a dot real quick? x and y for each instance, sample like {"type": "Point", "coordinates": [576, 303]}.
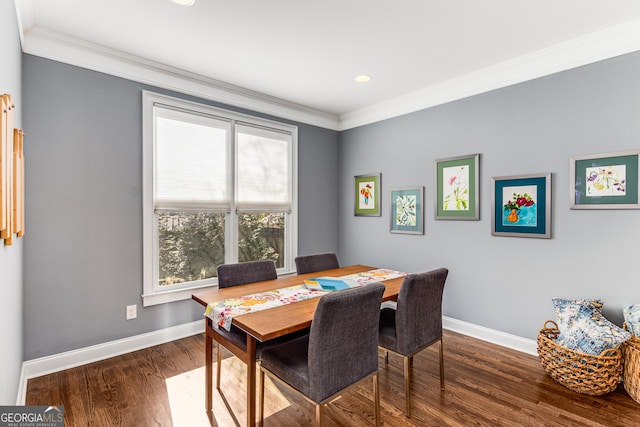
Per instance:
{"type": "Point", "coordinates": [246, 272]}
{"type": "Point", "coordinates": [343, 341]}
{"type": "Point", "coordinates": [316, 262]}
{"type": "Point", "coordinates": [419, 311]}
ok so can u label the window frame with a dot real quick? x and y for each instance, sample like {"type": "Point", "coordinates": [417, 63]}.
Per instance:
{"type": "Point", "coordinates": [151, 295]}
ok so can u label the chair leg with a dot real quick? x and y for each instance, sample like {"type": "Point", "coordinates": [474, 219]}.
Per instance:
{"type": "Point", "coordinates": [218, 366]}
{"type": "Point", "coordinates": [319, 417]}
{"type": "Point", "coordinates": [261, 403]}
{"type": "Point", "coordinates": [407, 386]}
{"type": "Point", "coordinates": [386, 357]}
{"type": "Point", "coordinates": [376, 397]}
{"type": "Point", "coordinates": [441, 365]}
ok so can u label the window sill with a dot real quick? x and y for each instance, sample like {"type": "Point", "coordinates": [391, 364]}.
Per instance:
{"type": "Point", "coordinates": [172, 296]}
{"type": "Point", "coordinates": [182, 294]}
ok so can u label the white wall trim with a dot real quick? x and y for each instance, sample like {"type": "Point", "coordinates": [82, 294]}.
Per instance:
{"type": "Point", "coordinates": [70, 359]}
{"type": "Point", "coordinates": [493, 336]}
{"type": "Point", "coordinates": [598, 46]}
{"type": "Point", "coordinates": [69, 50]}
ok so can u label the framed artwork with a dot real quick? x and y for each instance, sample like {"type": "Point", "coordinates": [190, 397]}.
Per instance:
{"type": "Point", "coordinates": [521, 206]}
{"type": "Point", "coordinates": [407, 212]}
{"type": "Point", "coordinates": [604, 181]}
{"type": "Point", "coordinates": [457, 189]}
{"type": "Point", "coordinates": [367, 195]}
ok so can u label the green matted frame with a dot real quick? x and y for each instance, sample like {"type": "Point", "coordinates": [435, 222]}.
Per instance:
{"type": "Point", "coordinates": [407, 210]}
{"type": "Point", "coordinates": [605, 181]}
{"type": "Point", "coordinates": [457, 188]}
{"type": "Point", "coordinates": [367, 195]}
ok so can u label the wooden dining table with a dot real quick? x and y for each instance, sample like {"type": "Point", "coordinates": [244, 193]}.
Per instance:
{"type": "Point", "coordinates": [268, 324]}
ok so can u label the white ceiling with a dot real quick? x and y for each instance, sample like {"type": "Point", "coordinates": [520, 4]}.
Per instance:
{"type": "Point", "coordinates": [307, 53]}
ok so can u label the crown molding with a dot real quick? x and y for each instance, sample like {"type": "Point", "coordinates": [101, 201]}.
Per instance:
{"type": "Point", "coordinates": [24, 13]}
{"type": "Point", "coordinates": [594, 47]}
{"type": "Point", "coordinates": [62, 48]}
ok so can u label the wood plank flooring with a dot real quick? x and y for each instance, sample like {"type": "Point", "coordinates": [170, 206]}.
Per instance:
{"type": "Point", "coordinates": [486, 385]}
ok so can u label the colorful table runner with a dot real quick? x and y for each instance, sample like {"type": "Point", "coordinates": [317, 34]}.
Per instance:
{"type": "Point", "coordinates": [222, 312]}
{"type": "Point", "coordinates": [372, 276]}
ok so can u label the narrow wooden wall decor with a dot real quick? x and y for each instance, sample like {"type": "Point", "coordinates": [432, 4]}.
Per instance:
{"type": "Point", "coordinates": [11, 174]}
{"type": "Point", "coordinates": [18, 182]}
{"type": "Point", "coordinates": [8, 171]}
{"type": "Point", "coordinates": [4, 188]}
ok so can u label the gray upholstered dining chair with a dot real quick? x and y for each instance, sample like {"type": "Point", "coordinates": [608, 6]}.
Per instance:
{"type": "Point", "coordinates": [239, 274]}
{"type": "Point", "coordinates": [415, 323]}
{"type": "Point", "coordinates": [245, 272]}
{"type": "Point", "coordinates": [316, 262]}
{"type": "Point", "coordinates": [340, 351]}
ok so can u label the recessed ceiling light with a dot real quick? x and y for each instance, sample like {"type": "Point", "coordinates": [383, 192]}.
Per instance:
{"type": "Point", "coordinates": [184, 2]}
{"type": "Point", "coordinates": [363, 78]}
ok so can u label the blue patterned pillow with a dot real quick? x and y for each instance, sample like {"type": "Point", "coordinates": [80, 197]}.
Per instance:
{"type": "Point", "coordinates": [632, 318]}
{"type": "Point", "coordinates": [567, 310]}
{"type": "Point", "coordinates": [560, 304]}
{"type": "Point", "coordinates": [584, 328]}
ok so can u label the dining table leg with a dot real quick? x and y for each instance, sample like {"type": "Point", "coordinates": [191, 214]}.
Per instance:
{"type": "Point", "coordinates": [208, 362]}
{"type": "Point", "coordinates": [251, 381]}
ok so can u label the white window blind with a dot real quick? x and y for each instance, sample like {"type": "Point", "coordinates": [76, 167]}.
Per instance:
{"type": "Point", "coordinates": [218, 187]}
{"type": "Point", "coordinates": [191, 161]}
{"type": "Point", "coordinates": [263, 169]}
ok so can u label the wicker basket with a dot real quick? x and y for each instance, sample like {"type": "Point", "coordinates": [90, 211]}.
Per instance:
{"type": "Point", "coordinates": [580, 372]}
{"type": "Point", "coordinates": [631, 352]}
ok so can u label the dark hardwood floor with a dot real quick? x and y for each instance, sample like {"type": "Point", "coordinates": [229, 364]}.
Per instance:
{"type": "Point", "coordinates": [486, 385]}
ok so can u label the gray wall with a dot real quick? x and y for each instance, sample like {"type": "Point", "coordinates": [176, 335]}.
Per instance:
{"type": "Point", "coordinates": [11, 308]}
{"type": "Point", "coordinates": [82, 251]}
{"type": "Point", "coordinates": [317, 189]}
{"type": "Point", "coordinates": [507, 283]}
{"type": "Point", "coordinates": [83, 254]}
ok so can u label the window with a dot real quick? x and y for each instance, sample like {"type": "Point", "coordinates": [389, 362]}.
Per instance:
{"type": "Point", "coordinates": [218, 187]}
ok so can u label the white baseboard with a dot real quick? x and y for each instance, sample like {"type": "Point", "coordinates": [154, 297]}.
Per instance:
{"type": "Point", "coordinates": [70, 359]}
{"type": "Point", "coordinates": [514, 342]}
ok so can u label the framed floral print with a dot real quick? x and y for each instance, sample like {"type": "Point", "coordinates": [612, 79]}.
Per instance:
{"type": "Point", "coordinates": [605, 181]}
{"type": "Point", "coordinates": [457, 188]}
{"type": "Point", "coordinates": [367, 195]}
{"type": "Point", "coordinates": [407, 212]}
{"type": "Point", "coordinates": [521, 206]}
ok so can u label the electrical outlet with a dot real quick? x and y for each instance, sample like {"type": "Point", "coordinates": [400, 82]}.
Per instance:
{"type": "Point", "coordinates": [131, 312]}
